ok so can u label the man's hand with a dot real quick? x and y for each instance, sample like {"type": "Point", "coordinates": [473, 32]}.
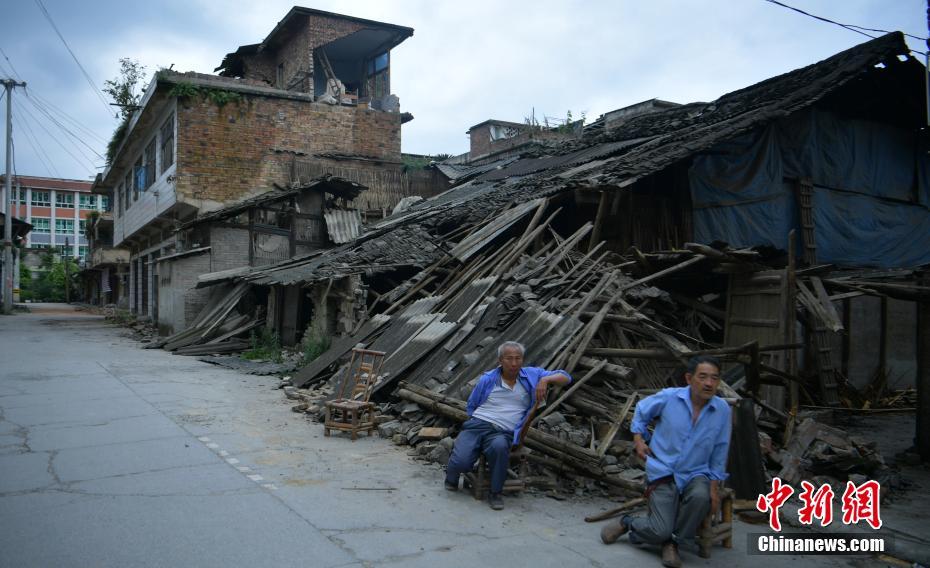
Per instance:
{"type": "Point", "coordinates": [714, 497]}
{"type": "Point", "coordinates": [642, 450]}
{"type": "Point", "coordinates": [542, 387]}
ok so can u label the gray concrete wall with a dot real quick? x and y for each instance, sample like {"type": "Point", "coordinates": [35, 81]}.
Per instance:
{"type": "Point", "coordinates": [229, 248]}
{"type": "Point", "coordinates": [179, 302]}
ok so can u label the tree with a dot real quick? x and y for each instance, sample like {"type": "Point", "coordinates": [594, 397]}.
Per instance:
{"type": "Point", "coordinates": [122, 89]}
{"type": "Point", "coordinates": [47, 284]}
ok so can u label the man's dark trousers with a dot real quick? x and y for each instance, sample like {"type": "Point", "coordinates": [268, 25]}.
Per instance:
{"type": "Point", "coordinates": [480, 436]}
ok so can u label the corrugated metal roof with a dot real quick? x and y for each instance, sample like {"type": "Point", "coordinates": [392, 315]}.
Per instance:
{"type": "Point", "coordinates": [458, 172]}
{"type": "Point", "coordinates": [343, 225]}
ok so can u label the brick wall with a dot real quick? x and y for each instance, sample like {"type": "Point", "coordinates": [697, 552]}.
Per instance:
{"type": "Point", "coordinates": [296, 52]}
{"type": "Point", "coordinates": [481, 144]}
{"type": "Point", "coordinates": [260, 68]}
{"type": "Point", "coordinates": [229, 248]}
{"type": "Point", "coordinates": [225, 153]}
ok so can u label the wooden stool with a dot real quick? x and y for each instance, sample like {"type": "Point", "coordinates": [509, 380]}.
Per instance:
{"type": "Point", "coordinates": [479, 480]}
{"type": "Point", "coordinates": [352, 412]}
{"type": "Point", "coordinates": [719, 527]}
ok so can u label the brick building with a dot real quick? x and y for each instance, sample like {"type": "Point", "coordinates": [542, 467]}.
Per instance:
{"type": "Point", "coordinates": [312, 98]}
{"type": "Point", "coordinates": [496, 139]}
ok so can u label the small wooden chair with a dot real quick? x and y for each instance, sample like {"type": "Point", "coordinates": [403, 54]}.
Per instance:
{"type": "Point", "coordinates": [719, 527]}
{"type": "Point", "coordinates": [351, 411]}
{"type": "Point", "coordinates": [479, 480]}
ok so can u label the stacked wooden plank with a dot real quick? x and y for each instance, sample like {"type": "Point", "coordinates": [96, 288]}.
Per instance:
{"type": "Point", "coordinates": [218, 328]}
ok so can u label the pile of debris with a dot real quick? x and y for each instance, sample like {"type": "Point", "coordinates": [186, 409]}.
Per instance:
{"type": "Point", "coordinates": [219, 327]}
{"type": "Point", "coordinates": [828, 455]}
{"type": "Point", "coordinates": [582, 309]}
{"type": "Point", "coordinates": [442, 327]}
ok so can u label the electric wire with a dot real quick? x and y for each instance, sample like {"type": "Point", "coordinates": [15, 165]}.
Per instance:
{"type": "Point", "coordinates": [90, 81]}
{"type": "Point", "coordinates": [37, 146]}
{"type": "Point", "coordinates": [49, 106]}
{"type": "Point", "coordinates": [64, 129]}
{"type": "Point", "coordinates": [56, 139]}
{"type": "Point", "coordinates": [40, 152]}
{"type": "Point", "coordinates": [10, 63]}
{"type": "Point", "coordinates": [76, 139]}
{"type": "Point", "coordinates": [851, 27]}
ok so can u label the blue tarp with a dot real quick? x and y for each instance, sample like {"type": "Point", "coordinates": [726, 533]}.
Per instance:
{"type": "Point", "coordinates": [871, 190]}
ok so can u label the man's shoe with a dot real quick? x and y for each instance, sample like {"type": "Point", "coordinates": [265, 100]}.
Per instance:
{"type": "Point", "coordinates": [496, 500]}
{"type": "Point", "coordinates": [612, 531]}
{"type": "Point", "coordinates": [670, 557]}
{"type": "Point", "coordinates": [450, 486]}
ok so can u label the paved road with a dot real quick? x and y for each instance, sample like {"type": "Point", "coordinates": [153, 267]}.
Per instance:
{"type": "Point", "coordinates": [111, 455]}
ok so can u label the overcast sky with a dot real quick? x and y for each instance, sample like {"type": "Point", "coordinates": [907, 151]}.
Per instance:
{"type": "Point", "coordinates": [466, 62]}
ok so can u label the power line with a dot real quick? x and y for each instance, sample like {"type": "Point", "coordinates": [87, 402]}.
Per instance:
{"type": "Point", "coordinates": [851, 27]}
{"type": "Point", "coordinates": [57, 141]}
{"type": "Point", "coordinates": [62, 127]}
{"type": "Point", "coordinates": [33, 141]}
{"type": "Point", "coordinates": [68, 47]}
{"type": "Point", "coordinates": [3, 53]}
{"type": "Point", "coordinates": [64, 115]}
{"type": "Point", "coordinates": [49, 106]}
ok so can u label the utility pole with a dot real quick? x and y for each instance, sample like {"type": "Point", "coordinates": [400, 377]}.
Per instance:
{"type": "Point", "coordinates": [8, 84]}
{"type": "Point", "coordinates": [66, 259]}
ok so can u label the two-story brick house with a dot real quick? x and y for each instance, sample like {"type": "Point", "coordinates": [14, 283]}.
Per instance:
{"type": "Point", "coordinates": [201, 142]}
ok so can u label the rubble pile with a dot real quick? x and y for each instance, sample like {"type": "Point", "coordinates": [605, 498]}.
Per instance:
{"type": "Point", "coordinates": [574, 309]}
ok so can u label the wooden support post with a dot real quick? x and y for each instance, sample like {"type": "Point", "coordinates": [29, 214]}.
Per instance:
{"type": "Point", "coordinates": [883, 343]}
{"type": "Point", "coordinates": [753, 375]}
{"type": "Point", "coordinates": [599, 219]}
{"type": "Point", "coordinates": [791, 358]}
{"type": "Point", "coordinates": [922, 438]}
{"type": "Point", "coordinates": [847, 337]}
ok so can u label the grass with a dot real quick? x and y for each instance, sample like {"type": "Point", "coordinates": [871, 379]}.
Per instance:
{"type": "Point", "coordinates": [265, 345]}
{"type": "Point", "coordinates": [313, 345]}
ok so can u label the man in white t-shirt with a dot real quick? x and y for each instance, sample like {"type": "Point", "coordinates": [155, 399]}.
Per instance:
{"type": "Point", "coordinates": [498, 407]}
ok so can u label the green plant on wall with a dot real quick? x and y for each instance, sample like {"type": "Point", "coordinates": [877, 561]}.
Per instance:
{"type": "Point", "coordinates": [219, 97]}
{"type": "Point", "coordinates": [122, 90]}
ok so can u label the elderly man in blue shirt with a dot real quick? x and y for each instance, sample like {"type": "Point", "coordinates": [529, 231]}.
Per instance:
{"type": "Point", "coordinates": [686, 460]}
{"type": "Point", "coordinates": [498, 408]}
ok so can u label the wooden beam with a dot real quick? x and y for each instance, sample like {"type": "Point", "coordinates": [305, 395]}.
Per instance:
{"type": "Point", "coordinates": [577, 384]}
{"type": "Point", "coordinates": [661, 273]}
{"type": "Point", "coordinates": [599, 220]}
{"type": "Point", "coordinates": [618, 423]}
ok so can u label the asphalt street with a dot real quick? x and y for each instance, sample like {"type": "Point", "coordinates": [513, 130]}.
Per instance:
{"type": "Point", "coordinates": [112, 455]}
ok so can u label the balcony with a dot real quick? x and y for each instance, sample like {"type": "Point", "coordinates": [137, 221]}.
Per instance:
{"type": "Point", "coordinates": [104, 256]}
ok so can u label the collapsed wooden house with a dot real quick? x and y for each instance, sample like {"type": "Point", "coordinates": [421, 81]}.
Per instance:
{"type": "Point", "coordinates": [761, 227]}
